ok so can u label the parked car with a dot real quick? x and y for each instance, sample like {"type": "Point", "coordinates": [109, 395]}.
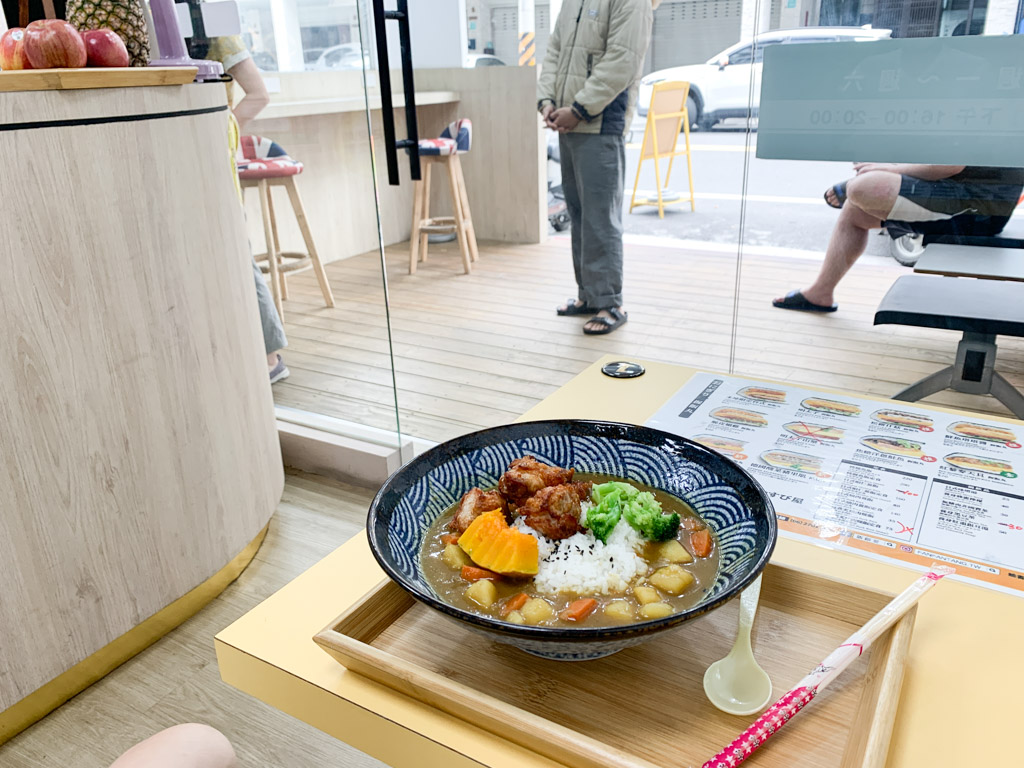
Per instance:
{"type": "Point", "coordinates": [347, 56]}
{"type": "Point", "coordinates": [483, 60]}
{"type": "Point", "coordinates": [720, 87]}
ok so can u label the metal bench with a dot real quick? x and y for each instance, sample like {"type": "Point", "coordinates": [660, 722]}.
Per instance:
{"type": "Point", "coordinates": [981, 310]}
{"type": "Point", "coordinates": [1012, 236]}
{"type": "Point", "coordinates": [985, 262]}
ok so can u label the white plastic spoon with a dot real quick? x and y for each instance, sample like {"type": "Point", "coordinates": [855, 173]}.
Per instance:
{"type": "Point", "coordinates": [736, 684]}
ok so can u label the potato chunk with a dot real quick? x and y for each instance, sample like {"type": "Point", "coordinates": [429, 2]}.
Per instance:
{"type": "Point", "coordinates": [673, 552]}
{"type": "Point", "coordinates": [483, 593]}
{"type": "Point", "coordinates": [619, 610]}
{"type": "Point", "coordinates": [537, 610]}
{"type": "Point", "coordinates": [515, 617]}
{"type": "Point", "coordinates": [656, 610]}
{"type": "Point", "coordinates": [454, 557]}
{"type": "Point", "coordinates": [673, 579]}
{"type": "Point", "coordinates": [645, 595]}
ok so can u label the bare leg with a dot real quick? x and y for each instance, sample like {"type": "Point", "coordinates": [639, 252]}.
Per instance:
{"type": "Point", "coordinates": [183, 746]}
{"type": "Point", "coordinates": [869, 199]}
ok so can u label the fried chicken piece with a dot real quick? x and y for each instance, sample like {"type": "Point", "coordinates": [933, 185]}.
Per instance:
{"type": "Point", "coordinates": [473, 504]}
{"type": "Point", "coordinates": [526, 476]}
{"type": "Point", "coordinates": [555, 511]}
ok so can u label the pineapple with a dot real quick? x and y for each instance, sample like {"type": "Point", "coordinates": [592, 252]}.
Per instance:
{"type": "Point", "coordinates": [125, 17]}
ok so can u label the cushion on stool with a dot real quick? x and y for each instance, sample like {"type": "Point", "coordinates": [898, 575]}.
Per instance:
{"type": "Point", "coordinates": [437, 147]}
{"type": "Point", "coordinates": [456, 138]}
{"type": "Point", "coordinates": [262, 158]}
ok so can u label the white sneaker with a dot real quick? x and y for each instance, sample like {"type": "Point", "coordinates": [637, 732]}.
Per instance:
{"type": "Point", "coordinates": [279, 372]}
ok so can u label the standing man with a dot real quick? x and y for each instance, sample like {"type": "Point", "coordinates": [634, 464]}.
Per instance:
{"type": "Point", "coordinates": [587, 92]}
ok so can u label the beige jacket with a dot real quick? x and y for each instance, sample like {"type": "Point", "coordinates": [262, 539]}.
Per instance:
{"type": "Point", "coordinates": [594, 60]}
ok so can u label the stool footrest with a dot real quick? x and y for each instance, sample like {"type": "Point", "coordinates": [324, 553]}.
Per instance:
{"type": "Point", "coordinates": [294, 261]}
{"type": "Point", "coordinates": [439, 226]}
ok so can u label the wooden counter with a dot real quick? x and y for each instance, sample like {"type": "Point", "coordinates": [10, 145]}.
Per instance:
{"type": "Point", "coordinates": [139, 456]}
{"type": "Point", "coordinates": [960, 692]}
{"type": "Point", "coordinates": [341, 104]}
{"type": "Point", "coordinates": [319, 118]}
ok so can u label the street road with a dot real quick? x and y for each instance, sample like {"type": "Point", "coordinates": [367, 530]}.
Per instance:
{"type": "Point", "coordinates": [785, 210]}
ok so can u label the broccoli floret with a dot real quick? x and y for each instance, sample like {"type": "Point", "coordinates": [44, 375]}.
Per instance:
{"type": "Point", "coordinates": [602, 518]}
{"type": "Point", "coordinates": [641, 510]}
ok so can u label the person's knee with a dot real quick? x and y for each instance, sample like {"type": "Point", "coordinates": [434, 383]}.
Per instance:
{"type": "Point", "coordinates": [191, 745]}
{"type": "Point", "coordinates": [874, 192]}
{"type": "Point", "coordinates": [213, 745]}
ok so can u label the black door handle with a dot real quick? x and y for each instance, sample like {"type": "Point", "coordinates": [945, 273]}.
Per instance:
{"type": "Point", "coordinates": [412, 143]}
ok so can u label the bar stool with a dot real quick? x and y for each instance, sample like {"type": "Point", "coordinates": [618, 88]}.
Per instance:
{"type": "Point", "coordinates": [455, 140]}
{"type": "Point", "coordinates": [264, 164]}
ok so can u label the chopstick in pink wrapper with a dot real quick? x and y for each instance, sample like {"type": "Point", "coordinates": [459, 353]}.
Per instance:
{"type": "Point", "coordinates": [780, 713]}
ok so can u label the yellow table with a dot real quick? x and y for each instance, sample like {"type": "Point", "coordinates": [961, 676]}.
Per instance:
{"type": "Point", "coordinates": [960, 695]}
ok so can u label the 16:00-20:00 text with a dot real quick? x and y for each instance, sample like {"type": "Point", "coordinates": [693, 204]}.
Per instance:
{"type": "Point", "coordinates": [891, 117]}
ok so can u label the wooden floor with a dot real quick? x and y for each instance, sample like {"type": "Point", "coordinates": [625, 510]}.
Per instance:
{"type": "Point", "coordinates": [176, 680]}
{"type": "Point", "coordinates": [477, 350]}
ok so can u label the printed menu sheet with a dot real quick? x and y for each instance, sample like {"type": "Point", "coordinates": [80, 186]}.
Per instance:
{"type": "Point", "coordinates": [885, 480]}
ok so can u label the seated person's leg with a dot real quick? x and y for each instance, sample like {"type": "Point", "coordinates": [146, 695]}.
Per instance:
{"type": "Point", "coordinates": [184, 746]}
{"type": "Point", "coordinates": [869, 199]}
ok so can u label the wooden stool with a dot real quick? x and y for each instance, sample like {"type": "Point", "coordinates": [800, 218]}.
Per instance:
{"type": "Point", "coordinates": [455, 140]}
{"type": "Point", "coordinates": [265, 165]}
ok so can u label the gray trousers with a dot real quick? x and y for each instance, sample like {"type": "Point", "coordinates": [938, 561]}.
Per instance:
{"type": "Point", "coordinates": [273, 332]}
{"type": "Point", "coordinates": [593, 176]}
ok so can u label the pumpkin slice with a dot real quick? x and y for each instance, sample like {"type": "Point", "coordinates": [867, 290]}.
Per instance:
{"type": "Point", "coordinates": [493, 545]}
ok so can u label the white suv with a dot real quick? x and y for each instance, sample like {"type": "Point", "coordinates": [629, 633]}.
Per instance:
{"type": "Point", "coordinates": [719, 88]}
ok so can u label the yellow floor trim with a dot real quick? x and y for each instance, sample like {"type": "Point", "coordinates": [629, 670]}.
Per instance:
{"type": "Point", "coordinates": [42, 702]}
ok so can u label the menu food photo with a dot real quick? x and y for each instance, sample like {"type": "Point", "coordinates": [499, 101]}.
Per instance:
{"type": "Point", "coordinates": [902, 483]}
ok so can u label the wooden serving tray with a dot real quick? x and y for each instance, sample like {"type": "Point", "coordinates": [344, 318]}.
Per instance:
{"type": "Point", "coordinates": [644, 706]}
{"type": "Point", "coordinates": [93, 77]}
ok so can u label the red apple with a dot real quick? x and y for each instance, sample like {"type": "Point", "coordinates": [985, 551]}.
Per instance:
{"type": "Point", "coordinates": [12, 50]}
{"type": "Point", "coordinates": [52, 43]}
{"type": "Point", "coordinates": [105, 48]}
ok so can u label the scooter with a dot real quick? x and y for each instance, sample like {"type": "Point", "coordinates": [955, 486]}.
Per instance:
{"type": "Point", "coordinates": [558, 213]}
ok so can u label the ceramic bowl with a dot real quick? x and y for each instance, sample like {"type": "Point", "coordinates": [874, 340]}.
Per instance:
{"type": "Point", "coordinates": [722, 492]}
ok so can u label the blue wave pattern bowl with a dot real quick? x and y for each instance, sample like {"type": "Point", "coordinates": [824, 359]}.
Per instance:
{"type": "Point", "coordinates": [732, 503]}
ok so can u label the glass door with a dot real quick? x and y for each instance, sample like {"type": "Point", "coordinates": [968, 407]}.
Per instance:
{"type": "Point", "coordinates": [304, 73]}
{"type": "Point", "coordinates": [863, 166]}
{"type": "Point", "coordinates": [478, 339]}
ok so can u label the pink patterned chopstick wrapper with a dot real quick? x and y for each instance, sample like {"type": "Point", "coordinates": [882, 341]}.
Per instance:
{"type": "Point", "coordinates": [766, 726]}
{"type": "Point", "coordinates": [783, 710]}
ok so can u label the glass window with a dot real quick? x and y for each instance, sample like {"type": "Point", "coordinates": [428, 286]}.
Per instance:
{"type": "Point", "coordinates": [759, 49]}
{"type": "Point", "coordinates": [297, 35]}
{"type": "Point", "coordinates": [742, 56]}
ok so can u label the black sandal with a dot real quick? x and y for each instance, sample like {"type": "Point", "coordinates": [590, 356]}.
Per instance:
{"type": "Point", "coordinates": [796, 300]}
{"type": "Point", "coordinates": [576, 307]}
{"type": "Point", "coordinates": [840, 190]}
{"type": "Point", "coordinates": [619, 316]}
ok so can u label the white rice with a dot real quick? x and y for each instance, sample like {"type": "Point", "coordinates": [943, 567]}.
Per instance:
{"type": "Point", "coordinates": [584, 565]}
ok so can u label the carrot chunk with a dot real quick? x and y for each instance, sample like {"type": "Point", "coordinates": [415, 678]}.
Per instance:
{"type": "Point", "coordinates": [700, 542]}
{"type": "Point", "coordinates": [472, 573]}
{"type": "Point", "coordinates": [514, 603]}
{"type": "Point", "coordinates": [579, 609]}
{"type": "Point", "coordinates": [450, 538]}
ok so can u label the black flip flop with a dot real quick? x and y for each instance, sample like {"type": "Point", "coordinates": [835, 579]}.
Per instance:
{"type": "Point", "coordinates": [840, 190]}
{"type": "Point", "coordinates": [619, 316]}
{"type": "Point", "coordinates": [796, 300]}
{"type": "Point", "coordinates": [575, 307]}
